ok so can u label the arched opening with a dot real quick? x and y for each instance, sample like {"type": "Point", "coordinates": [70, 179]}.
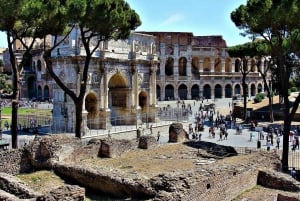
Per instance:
{"type": "Point", "coordinates": [31, 87]}
{"type": "Point", "coordinates": [195, 91]}
{"type": "Point", "coordinates": [207, 91]}
{"type": "Point", "coordinates": [195, 66]}
{"type": "Point", "coordinates": [253, 90]}
{"type": "Point", "coordinates": [158, 97]}
{"type": "Point", "coordinates": [259, 88]}
{"type": "Point", "coordinates": [169, 66]}
{"type": "Point", "coordinates": [39, 65]}
{"type": "Point", "coordinates": [218, 91]}
{"type": "Point", "coordinates": [237, 90]}
{"type": "Point", "coordinates": [228, 91]}
{"type": "Point", "coordinates": [143, 100]}
{"type": "Point", "coordinates": [182, 66]}
{"type": "Point", "coordinates": [182, 92]}
{"type": "Point", "coordinates": [46, 93]}
{"type": "Point", "coordinates": [228, 66]}
{"type": "Point", "coordinates": [237, 66]}
{"type": "Point", "coordinates": [39, 93]}
{"type": "Point", "coordinates": [218, 65]}
{"type": "Point", "coordinates": [206, 64]}
{"type": "Point", "coordinates": [119, 94]}
{"type": "Point", "coordinates": [169, 92]}
{"type": "Point", "coordinates": [91, 106]}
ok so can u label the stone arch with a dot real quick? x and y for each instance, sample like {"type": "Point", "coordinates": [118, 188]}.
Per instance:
{"type": "Point", "coordinates": [195, 65]}
{"type": "Point", "coordinates": [31, 86]}
{"type": "Point", "coordinates": [237, 65]}
{"type": "Point", "coordinates": [207, 91]}
{"type": "Point", "coordinates": [218, 91]}
{"type": "Point", "coordinates": [259, 88]}
{"type": "Point", "coordinates": [143, 100]}
{"type": "Point", "coordinates": [206, 64]}
{"type": "Point", "coordinates": [169, 92]}
{"type": "Point", "coordinates": [46, 92]}
{"type": "Point", "coordinates": [218, 65]}
{"type": "Point", "coordinates": [91, 106]}
{"type": "Point", "coordinates": [228, 66]}
{"type": "Point", "coordinates": [237, 89]}
{"type": "Point", "coordinates": [158, 91]}
{"type": "Point", "coordinates": [228, 91]}
{"type": "Point", "coordinates": [195, 91]}
{"type": "Point", "coordinates": [118, 95]}
{"type": "Point", "coordinates": [182, 66]}
{"type": "Point", "coordinates": [182, 92]}
{"type": "Point", "coordinates": [252, 90]}
{"type": "Point", "coordinates": [39, 65]}
{"type": "Point", "coordinates": [169, 66]}
{"type": "Point", "coordinates": [39, 93]}
{"type": "Point", "coordinates": [253, 65]}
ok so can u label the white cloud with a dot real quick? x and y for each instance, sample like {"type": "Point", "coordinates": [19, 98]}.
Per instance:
{"type": "Point", "coordinates": [172, 19]}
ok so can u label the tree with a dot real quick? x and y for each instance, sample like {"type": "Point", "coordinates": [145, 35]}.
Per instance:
{"type": "Point", "coordinates": [97, 20]}
{"type": "Point", "coordinates": [25, 21]}
{"type": "Point", "coordinates": [258, 50]}
{"type": "Point", "coordinates": [277, 23]}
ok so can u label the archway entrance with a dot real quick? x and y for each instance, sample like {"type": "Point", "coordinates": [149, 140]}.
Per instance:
{"type": "Point", "coordinates": [206, 91]}
{"type": "Point", "coordinates": [169, 92]}
{"type": "Point", "coordinates": [119, 94]}
{"type": "Point", "coordinates": [46, 93]}
{"type": "Point", "coordinates": [182, 91]}
{"type": "Point", "coordinates": [195, 92]}
{"type": "Point", "coordinates": [218, 91]}
{"type": "Point", "coordinates": [91, 106]}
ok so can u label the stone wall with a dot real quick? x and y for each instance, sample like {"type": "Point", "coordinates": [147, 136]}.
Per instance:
{"type": "Point", "coordinates": [220, 181]}
{"type": "Point", "coordinates": [14, 162]}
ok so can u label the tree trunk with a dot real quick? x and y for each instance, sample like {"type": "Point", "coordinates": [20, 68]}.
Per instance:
{"type": "Point", "coordinates": [287, 127]}
{"type": "Point", "coordinates": [78, 124]}
{"type": "Point", "coordinates": [14, 123]}
{"type": "Point", "coordinates": [271, 108]}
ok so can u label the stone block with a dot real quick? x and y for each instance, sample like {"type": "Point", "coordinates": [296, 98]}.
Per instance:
{"type": "Point", "coordinates": [177, 133]}
{"type": "Point", "coordinates": [146, 142]}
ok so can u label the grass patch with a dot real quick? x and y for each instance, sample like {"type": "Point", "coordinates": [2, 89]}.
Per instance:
{"type": "Point", "coordinates": [42, 181]}
{"type": "Point", "coordinates": [6, 111]}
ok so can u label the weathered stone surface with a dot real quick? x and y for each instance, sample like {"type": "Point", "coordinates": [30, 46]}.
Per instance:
{"type": "Point", "coordinates": [147, 141]}
{"type": "Point", "coordinates": [281, 197]}
{"type": "Point", "coordinates": [65, 193]}
{"type": "Point", "coordinates": [14, 186]}
{"type": "Point", "coordinates": [111, 148]}
{"type": "Point", "coordinates": [277, 180]}
{"type": "Point", "coordinates": [177, 133]}
{"type": "Point", "coordinates": [106, 180]}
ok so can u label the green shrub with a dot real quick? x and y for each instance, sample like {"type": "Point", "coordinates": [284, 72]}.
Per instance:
{"type": "Point", "coordinates": [294, 89]}
{"type": "Point", "coordinates": [259, 97]}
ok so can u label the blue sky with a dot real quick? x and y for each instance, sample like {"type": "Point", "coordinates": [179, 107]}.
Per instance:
{"type": "Point", "coordinates": [201, 17]}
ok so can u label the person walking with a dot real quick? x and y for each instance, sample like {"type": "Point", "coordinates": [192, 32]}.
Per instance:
{"type": "Point", "coordinates": [277, 141]}
{"type": "Point", "coordinates": [158, 136]}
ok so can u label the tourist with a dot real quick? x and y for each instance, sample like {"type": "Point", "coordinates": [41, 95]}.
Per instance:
{"type": "Point", "coordinates": [158, 136]}
{"type": "Point", "coordinates": [293, 172]}
{"type": "Point", "coordinates": [278, 141]}
{"type": "Point", "coordinates": [268, 145]}
{"type": "Point", "coordinates": [151, 129]}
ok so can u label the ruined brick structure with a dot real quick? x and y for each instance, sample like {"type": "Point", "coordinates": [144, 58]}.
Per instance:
{"type": "Point", "coordinates": [193, 67]}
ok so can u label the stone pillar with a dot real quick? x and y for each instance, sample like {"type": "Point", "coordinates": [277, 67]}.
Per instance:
{"type": "Point", "coordinates": [212, 66]}
{"type": "Point", "coordinates": [201, 65]}
{"type": "Point", "coordinates": [223, 65]}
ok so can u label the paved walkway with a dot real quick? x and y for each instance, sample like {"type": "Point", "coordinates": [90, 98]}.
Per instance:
{"type": "Point", "coordinates": [222, 105]}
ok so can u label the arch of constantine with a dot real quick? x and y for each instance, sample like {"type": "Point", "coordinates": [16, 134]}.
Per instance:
{"type": "Point", "coordinates": [121, 83]}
